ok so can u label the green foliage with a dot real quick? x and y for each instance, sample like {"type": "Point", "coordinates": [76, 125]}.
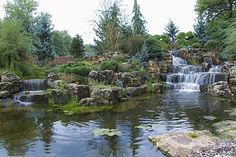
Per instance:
{"type": "Point", "coordinates": [197, 45]}
{"type": "Point", "coordinates": [185, 39]}
{"type": "Point", "coordinates": [108, 28]}
{"type": "Point", "coordinates": [213, 45]}
{"type": "Point", "coordinates": [230, 42]}
{"type": "Point", "coordinates": [77, 46]}
{"type": "Point", "coordinates": [61, 42]}
{"type": "Point", "coordinates": [212, 9]}
{"type": "Point", "coordinates": [81, 68]}
{"type": "Point", "coordinates": [109, 65]}
{"type": "Point", "coordinates": [14, 47]}
{"type": "Point", "coordinates": [133, 44]}
{"type": "Point", "coordinates": [42, 30]}
{"type": "Point", "coordinates": [23, 11]}
{"type": "Point", "coordinates": [138, 20]}
{"type": "Point", "coordinates": [200, 29]}
{"type": "Point", "coordinates": [193, 134]}
{"type": "Point", "coordinates": [171, 31]}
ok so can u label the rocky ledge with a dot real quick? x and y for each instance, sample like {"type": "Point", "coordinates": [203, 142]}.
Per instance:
{"type": "Point", "coordinates": [199, 143]}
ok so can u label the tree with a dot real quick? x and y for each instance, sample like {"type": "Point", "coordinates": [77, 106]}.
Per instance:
{"type": "Point", "coordinates": [108, 29]}
{"type": "Point", "coordinates": [171, 31]}
{"type": "Point", "coordinates": [23, 11]}
{"type": "Point", "coordinates": [230, 42]}
{"type": "Point", "coordinates": [77, 46]}
{"type": "Point", "coordinates": [14, 45]}
{"type": "Point", "coordinates": [138, 20]}
{"type": "Point", "coordinates": [200, 29]}
{"type": "Point", "coordinates": [185, 39]}
{"type": "Point", "coordinates": [213, 9]}
{"type": "Point", "coordinates": [61, 42]}
{"type": "Point", "coordinates": [43, 31]}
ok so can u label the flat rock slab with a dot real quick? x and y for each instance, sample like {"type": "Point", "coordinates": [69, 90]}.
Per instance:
{"type": "Point", "coordinates": [183, 144]}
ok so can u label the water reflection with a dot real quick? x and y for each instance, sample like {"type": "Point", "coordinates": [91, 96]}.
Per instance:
{"type": "Point", "coordinates": [32, 131]}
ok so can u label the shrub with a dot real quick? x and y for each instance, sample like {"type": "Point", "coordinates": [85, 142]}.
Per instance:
{"type": "Point", "coordinates": [109, 65]}
{"type": "Point", "coordinates": [197, 45]}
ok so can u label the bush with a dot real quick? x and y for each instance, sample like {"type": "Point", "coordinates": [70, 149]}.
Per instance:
{"type": "Point", "coordinates": [81, 68]}
{"type": "Point", "coordinates": [109, 65]}
{"type": "Point", "coordinates": [212, 45]}
{"type": "Point", "coordinates": [197, 45]}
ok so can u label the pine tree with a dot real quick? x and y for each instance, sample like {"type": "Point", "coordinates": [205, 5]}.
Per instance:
{"type": "Point", "coordinates": [200, 28]}
{"type": "Point", "coordinates": [138, 20]}
{"type": "Point", "coordinates": [43, 30]}
{"type": "Point", "coordinates": [171, 31]}
{"type": "Point", "coordinates": [77, 46]}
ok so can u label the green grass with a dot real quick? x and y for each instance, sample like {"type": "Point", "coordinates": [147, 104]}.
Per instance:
{"type": "Point", "coordinates": [72, 107]}
{"type": "Point", "coordinates": [193, 135]}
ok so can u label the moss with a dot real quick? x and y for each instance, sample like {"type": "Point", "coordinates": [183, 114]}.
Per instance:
{"type": "Point", "coordinates": [193, 135]}
{"type": "Point", "coordinates": [72, 107]}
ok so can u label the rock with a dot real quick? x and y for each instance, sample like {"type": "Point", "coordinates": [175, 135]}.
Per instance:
{"type": "Point", "coordinates": [203, 88]}
{"type": "Point", "coordinates": [52, 77]}
{"type": "Point", "coordinates": [124, 67]}
{"type": "Point", "coordinates": [136, 91]}
{"type": "Point", "coordinates": [182, 144]}
{"type": "Point", "coordinates": [108, 76]}
{"type": "Point", "coordinates": [89, 102]}
{"type": "Point", "coordinates": [60, 96]}
{"type": "Point", "coordinates": [57, 84]}
{"type": "Point", "coordinates": [10, 77]}
{"type": "Point", "coordinates": [68, 78]}
{"type": "Point", "coordinates": [80, 91]}
{"type": "Point", "coordinates": [95, 75]}
{"type": "Point", "coordinates": [153, 68]}
{"type": "Point", "coordinates": [157, 87]}
{"type": "Point", "coordinates": [220, 88]}
{"type": "Point", "coordinates": [4, 94]}
{"type": "Point", "coordinates": [131, 79]}
{"type": "Point", "coordinates": [232, 76]}
{"type": "Point", "coordinates": [11, 87]}
{"type": "Point", "coordinates": [206, 66]}
{"type": "Point", "coordinates": [226, 129]}
{"type": "Point", "coordinates": [108, 95]}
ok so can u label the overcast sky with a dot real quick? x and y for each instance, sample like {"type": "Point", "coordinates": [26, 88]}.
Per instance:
{"type": "Point", "coordinates": [76, 15]}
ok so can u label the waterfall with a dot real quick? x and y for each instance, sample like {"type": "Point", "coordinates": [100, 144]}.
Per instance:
{"type": "Point", "coordinates": [34, 85]}
{"type": "Point", "coordinates": [31, 89]}
{"type": "Point", "coordinates": [191, 77]}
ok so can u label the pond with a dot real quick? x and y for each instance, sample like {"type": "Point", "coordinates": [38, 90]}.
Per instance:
{"type": "Point", "coordinates": [35, 131]}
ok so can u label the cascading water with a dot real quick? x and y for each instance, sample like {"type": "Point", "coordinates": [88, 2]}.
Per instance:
{"type": "Point", "coordinates": [31, 88]}
{"type": "Point", "coordinates": [191, 77]}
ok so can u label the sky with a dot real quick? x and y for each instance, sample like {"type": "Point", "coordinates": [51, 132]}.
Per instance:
{"type": "Point", "coordinates": [76, 16]}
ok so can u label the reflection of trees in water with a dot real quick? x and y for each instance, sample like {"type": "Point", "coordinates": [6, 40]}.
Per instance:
{"type": "Point", "coordinates": [16, 131]}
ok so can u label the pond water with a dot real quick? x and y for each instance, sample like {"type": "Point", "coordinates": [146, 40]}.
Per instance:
{"type": "Point", "coordinates": [35, 131]}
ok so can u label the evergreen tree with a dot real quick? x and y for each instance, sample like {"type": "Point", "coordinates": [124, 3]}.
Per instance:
{"type": "Point", "coordinates": [171, 31]}
{"type": "Point", "coordinates": [138, 20]}
{"type": "Point", "coordinates": [23, 11]}
{"type": "Point", "coordinates": [43, 31]}
{"type": "Point", "coordinates": [108, 29]}
{"type": "Point", "coordinates": [200, 29]}
{"type": "Point", "coordinates": [77, 46]}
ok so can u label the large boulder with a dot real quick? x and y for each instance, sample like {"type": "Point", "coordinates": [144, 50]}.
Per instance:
{"type": "Point", "coordinates": [11, 87]}
{"type": "Point", "coordinates": [131, 79]}
{"type": "Point", "coordinates": [220, 88]}
{"type": "Point", "coordinates": [153, 68]}
{"type": "Point", "coordinates": [4, 94]}
{"type": "Point", "coordinates": [182, 144]}
{"type": "Point", "coordinates": [108, 95]}
{"type": "Point", "coordinates": [90, 102]}
{"type": "Point", "coordinates": [52, 77]}
{"type": "Point", "coordinates": [232, 76]}
{"type": "Point", "coordinates": [136, 91]}
{"type": "Point", "coordinates": [106, 76]}
{"type": "Point", "coordinates": [60, 96]}
{"type": "Point", "coordinates": [10, 77]}
{"type": "Point", "coordinates": [80, 91]}
{"type": "Point", "coordinates": [34, 97]}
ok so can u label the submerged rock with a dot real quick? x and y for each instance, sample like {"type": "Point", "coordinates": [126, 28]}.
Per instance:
{"type": "Point", "coordinates": [220, 88]}
{"type": "Point", "coordinates": [182, 144]}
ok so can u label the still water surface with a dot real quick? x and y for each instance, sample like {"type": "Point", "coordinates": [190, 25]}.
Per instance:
{"type": "Point", "coordinates": [35, 132]}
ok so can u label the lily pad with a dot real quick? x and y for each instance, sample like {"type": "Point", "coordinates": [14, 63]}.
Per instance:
{"type": "Point", "coordinates": [106, 132]}
{"type": "Point", "coordinates": [210, 117]}
{"type": "Point", "coordinates": [149, 126]}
